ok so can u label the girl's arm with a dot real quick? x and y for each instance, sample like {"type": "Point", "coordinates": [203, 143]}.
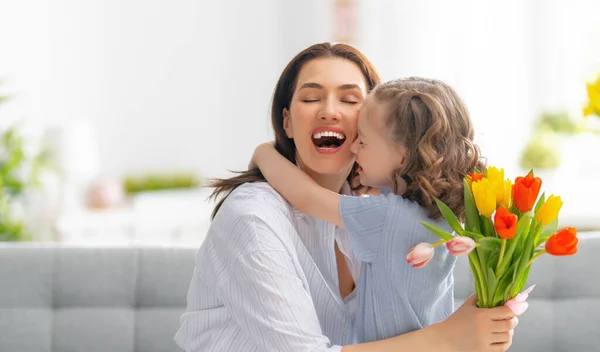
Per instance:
{"type": "Point", "coordinates": [296, 186]}
{"type": "Point", "coordinates": [469, 329]}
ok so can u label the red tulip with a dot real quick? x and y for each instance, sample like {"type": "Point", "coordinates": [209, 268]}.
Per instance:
{"type": "Point", "coordinates": [505, 223]}
{"type": "Point", "coordinates": [564, 242]}
{"type": "Point", "coordinates": [525, 192]}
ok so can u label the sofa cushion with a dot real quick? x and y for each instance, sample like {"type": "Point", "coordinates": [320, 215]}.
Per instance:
{"type": "Point", "coordinates": [66, 299]}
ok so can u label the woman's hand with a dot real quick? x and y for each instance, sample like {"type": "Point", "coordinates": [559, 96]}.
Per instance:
{"type": "Point", "coordinates": [480, 329]}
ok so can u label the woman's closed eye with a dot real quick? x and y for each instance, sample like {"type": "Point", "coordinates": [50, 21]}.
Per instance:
{"type": "Point", "coordinates": [310, 100]}
{"type": "Point", "coordinates": [350, 99]}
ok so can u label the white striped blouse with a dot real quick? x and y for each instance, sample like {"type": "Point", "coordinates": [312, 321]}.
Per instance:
{"type": "Point", "coordinates": [266, 280]}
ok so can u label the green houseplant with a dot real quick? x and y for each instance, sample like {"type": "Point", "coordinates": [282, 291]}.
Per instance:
{"type": "Point", "coordinates": [20, 170]}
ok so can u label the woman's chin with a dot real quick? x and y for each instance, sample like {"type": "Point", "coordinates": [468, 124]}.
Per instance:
{"type": "Point", "coordinates": [340, 165]}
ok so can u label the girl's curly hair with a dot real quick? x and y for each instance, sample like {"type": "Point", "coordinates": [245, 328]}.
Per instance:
{"type": "Point", "coordinates": [429, 119]}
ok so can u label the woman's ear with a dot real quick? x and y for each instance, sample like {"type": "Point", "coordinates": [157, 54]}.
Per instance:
{"type": "Point", "coordinates": [287, 123]}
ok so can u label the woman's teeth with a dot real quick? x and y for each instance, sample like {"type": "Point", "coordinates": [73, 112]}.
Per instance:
{"type": "Point", "coordinates": [328, 134]}
{"type": "Point", "coordinates": [328, 139]}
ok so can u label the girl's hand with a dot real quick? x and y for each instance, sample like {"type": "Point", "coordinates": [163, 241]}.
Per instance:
{"type": "Point", "coordinates": [480, 329]}
{"type": "Point", "coordinates": [257, 154]}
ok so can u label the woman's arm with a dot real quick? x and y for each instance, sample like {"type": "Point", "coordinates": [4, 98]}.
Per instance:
{"type": "Point", "coordinates": [296, 186]}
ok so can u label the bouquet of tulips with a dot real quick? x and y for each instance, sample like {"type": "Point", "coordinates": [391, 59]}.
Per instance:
{"type": "Point", "coordinates": [506, 227]}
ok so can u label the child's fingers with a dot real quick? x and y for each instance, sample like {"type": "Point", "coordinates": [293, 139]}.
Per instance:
{"type": "Point", "coordinates": [501, 337]}
{"type": "Point", "coordinates": [501, 313]}
{"type": "Point", "coordinates": [499, 326]}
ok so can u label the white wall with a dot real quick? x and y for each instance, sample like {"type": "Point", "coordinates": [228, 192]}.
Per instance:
{"type": "Point", "coordinates": [186, 84]}
{"type": "Point", "coordinates": [166, 85]}
{"type": "Point", "coordinates": [508, 60]}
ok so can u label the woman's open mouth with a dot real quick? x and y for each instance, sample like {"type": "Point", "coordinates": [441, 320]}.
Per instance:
{"type": "Point", "coordinates": [327, 141]}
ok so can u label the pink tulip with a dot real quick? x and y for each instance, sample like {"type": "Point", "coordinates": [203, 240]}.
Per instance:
{"type": "Point", "coordinates": [460, 245]}
{"type": "Point", "coordinates": [420, 255]}
{"type": "Point", "coordinates": [518, 304]}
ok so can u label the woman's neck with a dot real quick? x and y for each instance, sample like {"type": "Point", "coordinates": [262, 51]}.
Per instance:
{"type": "Point", "coordinates": [332, 182]}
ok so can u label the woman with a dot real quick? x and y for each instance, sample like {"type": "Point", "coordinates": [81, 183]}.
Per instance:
{"type": "Point", "coordinates": [269, 278]}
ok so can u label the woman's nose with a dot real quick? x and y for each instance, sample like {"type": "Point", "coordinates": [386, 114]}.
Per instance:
{"type": "Point", "coordinates": [330, 111]}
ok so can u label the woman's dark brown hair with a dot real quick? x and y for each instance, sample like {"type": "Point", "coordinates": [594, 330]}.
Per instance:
{"type": "Point", "coordinates": [282, 97]}
{"type": "Point", "coordinates": [430, 120]}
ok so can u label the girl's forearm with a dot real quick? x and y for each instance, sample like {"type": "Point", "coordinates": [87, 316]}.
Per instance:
{"type": "Point", "coordinates": [296, 186]}
{"type": "Point", "coordinates": [428, 339]}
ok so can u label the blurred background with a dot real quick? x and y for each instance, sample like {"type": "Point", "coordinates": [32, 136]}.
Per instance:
{"type": "Point", "coordinates": [114, 113]}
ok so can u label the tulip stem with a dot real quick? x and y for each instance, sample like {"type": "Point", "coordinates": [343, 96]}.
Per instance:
{"type": "Point", "coordinates": [438, 243]}
{"type": "Point", "coordinates": [502, 249]}
{"type": "Point", "coordinates": [536, 256]}
{"type": "Point", "coordinates": [483, 285]}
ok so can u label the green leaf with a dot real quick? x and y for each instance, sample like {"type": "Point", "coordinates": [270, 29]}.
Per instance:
{"type": "Point", "coordinates": [523, 263]}
{"type": "Point", "coordinates": [521, 281]}
{"type": "Point", "coordinates": [450, 217]}
{"type": "Point", "coordinates": [511, 249]}
{"type": "Point", "coordinates": [477, 280]}
{"type": "Point", "coordinates": [501, 294]}
{"type": "Point", "coordinates": [490, 243]}
{"type": "Point", "coordinates": [491, 282]}
{"type": "Point", "coordinates": [493, 257]}
{"type": "Point", "coordinates": [471, 213]}
{"type": "Point", "coordinates": [488, 227]}
{"type": "Point", "coordinates": [540, 202]}
{"type": "Point", "coordinates": [473, 235]}
{"type": "Point", "coordinates": [482, 263]}
{"type": "Point", "coordinates": [480, 278]}
{"type": "Point", "coordinates": [547, 231]}
{"type": "Point", "coordinates": [437, 231]}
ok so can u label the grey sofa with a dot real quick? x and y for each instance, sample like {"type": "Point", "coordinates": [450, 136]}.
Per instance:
{"type": "Point", "coordinates": [129, 299]}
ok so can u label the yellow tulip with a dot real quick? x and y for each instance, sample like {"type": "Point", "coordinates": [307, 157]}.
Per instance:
{"type": "Point", "coordinates": [593, 107]}
{"type": "Point", "coordinates": [485, 197]}
{"type": "Point", "coordinates": [587, 111]}
{"type": "Point", "coordinates": [507, 199]}
{"type": "Point", "coordinates": [549, 211]}
{"type": "Point", "coordinates": [496, 178]}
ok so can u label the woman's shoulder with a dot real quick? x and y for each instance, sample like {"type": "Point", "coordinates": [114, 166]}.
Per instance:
{"type": "Point", "coordinates": [255, 199]}
{"type": "Point", "coordinates": [253, 217]}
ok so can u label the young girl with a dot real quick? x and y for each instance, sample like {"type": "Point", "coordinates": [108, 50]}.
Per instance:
{"type": "Point", "coordinates": [415, 143]}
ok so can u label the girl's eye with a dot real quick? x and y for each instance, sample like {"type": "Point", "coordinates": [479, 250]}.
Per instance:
{"type": "Point", "coordinates": [310, 100]}
{"type": "Point", "coordinates": [350, 102]}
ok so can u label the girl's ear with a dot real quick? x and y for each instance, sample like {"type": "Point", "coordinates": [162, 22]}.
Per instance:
{"type": "Point", "coordinates": [287, 124]}
{"type": "Point", "coordinates": [402, 157]}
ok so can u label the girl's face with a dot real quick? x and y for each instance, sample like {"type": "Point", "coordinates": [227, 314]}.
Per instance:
{"type": "Point", "coordinates": [376, 154]}
{"type": "Point", "coordinates": [323, 112]}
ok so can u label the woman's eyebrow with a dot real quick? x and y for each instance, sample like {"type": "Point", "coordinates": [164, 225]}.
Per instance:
{"type": "Point", "coordinates": [311, 85]}
{"type": "Point", "coordinates": [349, 86]}
{"type": "Point", "coordinates": [318, 86]}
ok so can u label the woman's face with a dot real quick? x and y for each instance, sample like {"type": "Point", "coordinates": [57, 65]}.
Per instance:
{"type": "Point", "coordinates": [323, 114]}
